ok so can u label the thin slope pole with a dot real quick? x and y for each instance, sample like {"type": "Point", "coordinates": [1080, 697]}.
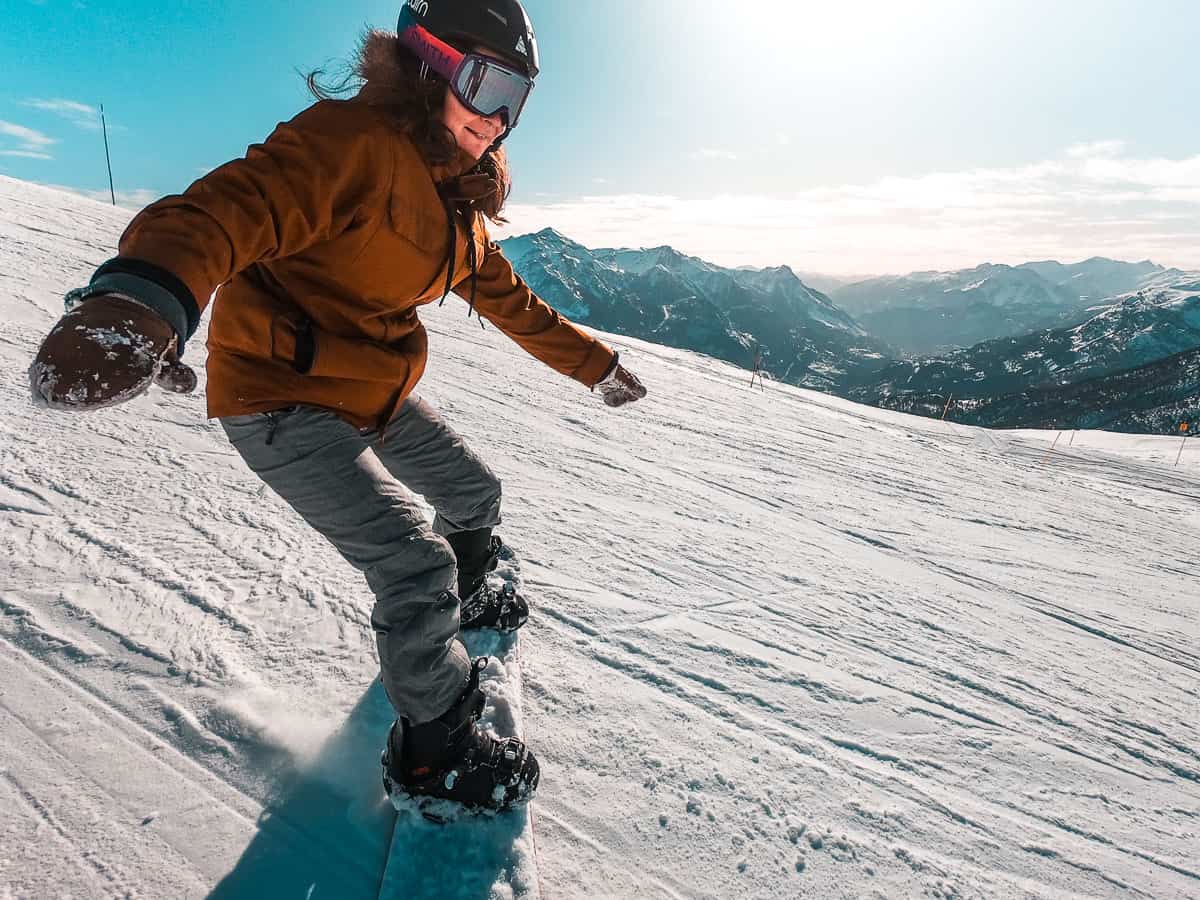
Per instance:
{"type": "Point", "coordinates": [107, 159]}
{"type": "Point", "coordinates": [1052, 446]}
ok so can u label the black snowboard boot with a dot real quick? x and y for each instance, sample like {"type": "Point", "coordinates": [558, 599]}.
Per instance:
{"type": "Point", "coordinates": [483, 606]}
{"type": "Point", "coordinates": [452, 758]}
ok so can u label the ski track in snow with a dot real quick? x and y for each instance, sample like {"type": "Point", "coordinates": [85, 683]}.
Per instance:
{"type": "Point", "coordinates": [782, 645]}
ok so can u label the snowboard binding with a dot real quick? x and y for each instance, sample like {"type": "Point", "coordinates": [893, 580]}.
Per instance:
{"type": "Point", "coordinates": [504, 610]}
{"type": "Point", "coordinates": [483, 606]}
{"type": "Point", "coordinates": [452, 758]}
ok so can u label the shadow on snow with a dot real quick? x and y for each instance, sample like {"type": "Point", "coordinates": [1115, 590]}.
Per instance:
{"type": "Point", "coordinates": [325, 829]}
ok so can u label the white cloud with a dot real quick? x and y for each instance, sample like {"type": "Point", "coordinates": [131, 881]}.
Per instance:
{"type": "Point", "coordinates": [1093, 200]}
{"type": "Point", "coordinates": [1096, 148]}
{"type": "Point", "coordinates": [27, 154]}
{"type": "Point", "coordinates": [32, 144]}
{"type": "Point", "coordinates": [710, 153]}
{"type": "Point", "coordinates": [27, 136]}
{"type": "Point", "coordinates": [78, 114]}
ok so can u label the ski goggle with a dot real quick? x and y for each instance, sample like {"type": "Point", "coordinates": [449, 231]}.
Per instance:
{"type": "Point", "coordinates": [484, 85]}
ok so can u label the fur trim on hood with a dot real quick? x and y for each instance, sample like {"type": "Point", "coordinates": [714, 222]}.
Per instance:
{"type": "Point", "coordinates": [378, 63]}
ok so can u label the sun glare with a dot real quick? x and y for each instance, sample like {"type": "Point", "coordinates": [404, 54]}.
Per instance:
{"type": "Point", "coordinates": [830, 31]}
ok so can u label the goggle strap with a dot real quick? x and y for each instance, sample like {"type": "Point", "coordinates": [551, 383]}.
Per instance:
{"type": "Point", "coordinates": [433, 51]}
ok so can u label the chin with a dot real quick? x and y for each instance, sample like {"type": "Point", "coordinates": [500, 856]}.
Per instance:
{"type": "Point", "coordinates": [472, 145]}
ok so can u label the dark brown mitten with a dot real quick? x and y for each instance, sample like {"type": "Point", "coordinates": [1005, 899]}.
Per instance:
{"type": "Point", "coordinates": [106, 350]}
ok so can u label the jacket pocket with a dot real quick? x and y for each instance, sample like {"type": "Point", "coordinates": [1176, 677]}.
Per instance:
{"type": "Point", "coordinates": [334, 356]}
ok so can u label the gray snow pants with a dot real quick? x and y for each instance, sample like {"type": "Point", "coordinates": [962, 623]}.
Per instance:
{"type": "Point", "coordinates": [350, 485]}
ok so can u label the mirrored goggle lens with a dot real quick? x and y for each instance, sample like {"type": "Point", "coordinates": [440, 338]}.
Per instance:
{"type": "Point", "coordinates": [487, 88]}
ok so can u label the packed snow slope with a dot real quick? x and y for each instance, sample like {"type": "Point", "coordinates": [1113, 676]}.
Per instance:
{"type": "Point", "coordinates": [783, 645]}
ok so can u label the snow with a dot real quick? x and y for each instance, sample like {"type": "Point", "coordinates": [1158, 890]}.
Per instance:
{"type": "Point", "coordinates": [975, 285]}
{"type": "Point", "coordinates": [782, 645]}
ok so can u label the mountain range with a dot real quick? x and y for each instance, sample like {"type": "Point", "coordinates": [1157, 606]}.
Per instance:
{"type": "Point", "coordinates": [1135, 330]}
{"type": "Point", "coordinates": [667, 297]}
{"type": "Point", "coordinates": [932, 312]}
{"type": "Point", "coordinates": [1003, 331]}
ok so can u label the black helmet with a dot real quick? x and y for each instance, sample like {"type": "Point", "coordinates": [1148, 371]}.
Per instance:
{"type": "Point", "coordinates": [499, 25]}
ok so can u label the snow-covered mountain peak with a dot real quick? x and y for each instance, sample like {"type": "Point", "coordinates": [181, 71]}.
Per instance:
{"type": "Point", "coordinates": [546, 242]}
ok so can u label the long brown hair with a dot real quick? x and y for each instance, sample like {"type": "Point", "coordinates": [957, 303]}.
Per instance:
{"type": "Point", "coordinates": [387, 76]}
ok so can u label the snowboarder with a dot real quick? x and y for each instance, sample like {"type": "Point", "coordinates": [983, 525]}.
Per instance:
{"type": "Point", "coordinates": [324, 241]}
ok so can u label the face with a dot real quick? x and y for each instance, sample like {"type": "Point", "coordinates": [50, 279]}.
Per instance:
{"type": "Point", "coordinates": [474, 133]}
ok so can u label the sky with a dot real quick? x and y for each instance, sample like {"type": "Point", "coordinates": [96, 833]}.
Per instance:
{"type": "Point", "coordinates": [849, 138]}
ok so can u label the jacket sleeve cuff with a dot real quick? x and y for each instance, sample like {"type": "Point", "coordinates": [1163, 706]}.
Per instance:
{"type": "Point", "coordinates": [612, 367]}
{"type": "Point", "coordinates": [154, 288]}
{"type": "Point", "coordinates": [599, 362]}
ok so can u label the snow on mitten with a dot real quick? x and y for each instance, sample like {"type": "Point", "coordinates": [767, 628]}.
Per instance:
{"type": "Point", "coordinates": [104, 351]}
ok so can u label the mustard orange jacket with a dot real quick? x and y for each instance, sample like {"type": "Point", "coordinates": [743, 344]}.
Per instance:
{"type": "Point", "coordinates": [332, 228]}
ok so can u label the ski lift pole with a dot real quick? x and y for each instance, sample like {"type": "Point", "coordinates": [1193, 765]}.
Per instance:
{"type": "Point", "coordinates": [107, 159]}
{"type": "Point", "coordinates": [758, 371]}
{"type": "Point", "coordinates": [945, 410]}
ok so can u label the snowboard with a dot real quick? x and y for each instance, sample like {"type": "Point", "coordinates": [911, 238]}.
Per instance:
{"type": "Point", "coordinates": [439, 850]}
